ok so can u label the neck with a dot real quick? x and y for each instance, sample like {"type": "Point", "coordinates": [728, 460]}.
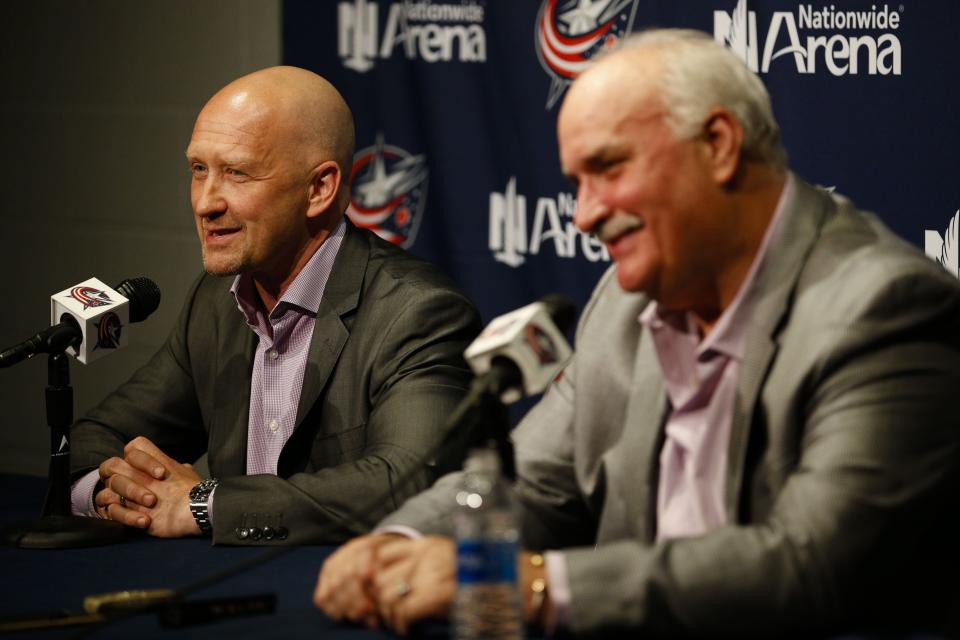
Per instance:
{"type": "Point", "coordinates": [750, 204]}
{"type": "Point", "coordinates": [271, 288]}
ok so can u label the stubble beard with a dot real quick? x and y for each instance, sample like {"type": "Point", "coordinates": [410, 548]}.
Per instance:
{"type": "Point", "coordinates": [226, 265]}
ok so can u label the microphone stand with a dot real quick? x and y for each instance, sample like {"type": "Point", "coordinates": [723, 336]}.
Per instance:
{"type": "Point", "coordinates": [57, 528]}
{"type": "Point", "coordinates": [483, 412]}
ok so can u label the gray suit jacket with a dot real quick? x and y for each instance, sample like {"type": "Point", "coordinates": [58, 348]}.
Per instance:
{"type": "Point", "coordinates": [843, 458]}
{"type": "Point", "coordinates": [384, 371]}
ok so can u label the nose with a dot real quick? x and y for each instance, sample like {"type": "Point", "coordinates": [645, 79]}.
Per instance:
{"type": "Point", "coordinates": [208, 200]}
{"type": "Point", "coordinates": [591, 210]}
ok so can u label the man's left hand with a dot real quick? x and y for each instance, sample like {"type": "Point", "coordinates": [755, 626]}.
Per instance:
{"type": "Point", "coordinates": [170, 481]}
{"type": "Point", "coordinates": [415, 580]}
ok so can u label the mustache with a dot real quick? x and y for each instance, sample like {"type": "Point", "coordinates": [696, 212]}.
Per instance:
{"type": "Point", "coordinates": [617, 225]}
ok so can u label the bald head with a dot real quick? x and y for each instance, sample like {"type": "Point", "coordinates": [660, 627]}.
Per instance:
{"type": "Point", "coordinates": [270, 158]}
{"type": "Point", "coordinates": [302, 115]}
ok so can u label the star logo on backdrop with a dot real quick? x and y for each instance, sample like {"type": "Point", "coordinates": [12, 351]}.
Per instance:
{"type": "Point", "coordinates": [388, 191]}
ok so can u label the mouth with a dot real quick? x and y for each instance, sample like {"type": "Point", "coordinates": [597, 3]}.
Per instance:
{"type": "Point", "coordinates": [215, 236]}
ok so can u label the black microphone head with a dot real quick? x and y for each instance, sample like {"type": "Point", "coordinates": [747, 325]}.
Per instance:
{"type": "Point", "coordinates": [143, 294]}
{"type": "Point", "coordinates": [560, 310]}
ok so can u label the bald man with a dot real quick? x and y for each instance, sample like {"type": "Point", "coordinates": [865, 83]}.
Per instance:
{"type": "Point", "coordinates": [313, 362]}
{"type": "Point", "coordinates": [757, 435]}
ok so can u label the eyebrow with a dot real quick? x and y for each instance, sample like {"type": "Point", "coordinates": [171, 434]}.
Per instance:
{"type": "Point", "coordinates": [604, 155]}
{"type": "Point", "coordinates": [222, 160]}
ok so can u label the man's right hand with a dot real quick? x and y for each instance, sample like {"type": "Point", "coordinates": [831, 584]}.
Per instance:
{"type": "Point", "coordinates": [124, 496]}
{"type": "Point", "coordinates": [344, 588]}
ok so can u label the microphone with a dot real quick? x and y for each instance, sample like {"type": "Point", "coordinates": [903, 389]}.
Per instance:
{"type": "Point", "coordinates": [88, 320]}
{"type": "Point", "coordinates": [519, 353]}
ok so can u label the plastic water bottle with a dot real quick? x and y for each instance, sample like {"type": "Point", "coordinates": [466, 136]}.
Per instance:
{"type": "Point", "coordinates": [487, 604]}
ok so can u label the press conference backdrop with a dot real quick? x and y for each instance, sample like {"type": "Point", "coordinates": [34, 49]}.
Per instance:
{"type": "Point", "coordinates": [456, 103]}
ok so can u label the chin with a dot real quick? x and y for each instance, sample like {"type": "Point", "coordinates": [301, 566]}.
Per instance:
{"type": "Point", "coordinates": [633, 281]}
{"type": "Point", "coordinates": [221, 267]}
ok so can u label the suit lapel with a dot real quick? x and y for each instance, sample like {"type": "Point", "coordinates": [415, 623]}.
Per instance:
{"type": "Point", "coordinates": [647, 408]}
{"type": "Point", "coordinates": [776, 283]}
{"type": "Point", "coordinates": [341, 296]}
{"type": "Point", "coordinates": [236, 345]}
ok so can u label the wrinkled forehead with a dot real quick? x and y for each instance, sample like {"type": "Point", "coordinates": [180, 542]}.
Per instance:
{"type": "Point", "coordinates": [618, 85]}
{"type": "Point", "coordinates": [600, 104]}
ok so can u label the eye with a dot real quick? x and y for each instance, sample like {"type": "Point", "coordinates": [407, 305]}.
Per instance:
{"type": "Point", "coordinates": [610, 168]}
{"type": "Point", "coordinates": [235, 174]}
{"type": "Point", "coordinates": [198, 170]}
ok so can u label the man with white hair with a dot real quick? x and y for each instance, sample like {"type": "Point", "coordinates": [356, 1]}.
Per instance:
{"type": "Point", "coordinates": [757, 433]}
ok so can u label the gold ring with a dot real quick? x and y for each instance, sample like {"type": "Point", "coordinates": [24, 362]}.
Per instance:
{"type": "Point", "coordinates": [402, 588]}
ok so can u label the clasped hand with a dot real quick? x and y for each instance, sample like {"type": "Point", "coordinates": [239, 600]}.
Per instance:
{"type": "Point", "coordinates": [389, 580]}
{"type": "Point", "coordinates": [395, 581]}
{"type": "Point", "coordinates": [149, 490]}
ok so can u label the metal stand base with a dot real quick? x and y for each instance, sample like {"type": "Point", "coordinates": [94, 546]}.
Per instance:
{"type": "Point", "coordinates": [63, 532]}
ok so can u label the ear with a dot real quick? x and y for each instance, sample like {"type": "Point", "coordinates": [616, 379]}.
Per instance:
{"type": "Point", "coordinates": [325, 181]}
{"type": "Point", "coordinates": [724, 141]}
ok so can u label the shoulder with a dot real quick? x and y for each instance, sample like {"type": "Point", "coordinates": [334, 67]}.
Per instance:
{"type": "Point", "coordinates": [858, 268]}
{"type": "Point", "coordinates": [394, 272]}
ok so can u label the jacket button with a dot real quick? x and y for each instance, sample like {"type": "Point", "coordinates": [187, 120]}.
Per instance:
{"type": "Point", "coordinates": [255, 533]}
{"type": "Point", "coordinates": [268, 533]}
{"type": "Point", "coordinates": [242, 533]}
{"type": "Point", "coordinates": [282, 533]}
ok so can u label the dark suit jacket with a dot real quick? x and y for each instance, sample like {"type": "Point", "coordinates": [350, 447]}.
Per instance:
{"type": "Point", "coordinates": [843, 462]}
{"type": "Point", "coordinates": [384, 371]}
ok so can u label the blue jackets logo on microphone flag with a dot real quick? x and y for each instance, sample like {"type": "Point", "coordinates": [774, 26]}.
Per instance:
{"type": "Point", "coordinates": [108, 331]}
{"type": "Point", "coordinates": [90, 297]}
{"type": "Point", "coordinates": [388, 191]}
{"type": "Point", "coordinates": [568, 36]}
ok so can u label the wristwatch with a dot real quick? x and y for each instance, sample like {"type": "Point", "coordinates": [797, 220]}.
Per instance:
{"type": "Point", "coordinates": [199, 495]}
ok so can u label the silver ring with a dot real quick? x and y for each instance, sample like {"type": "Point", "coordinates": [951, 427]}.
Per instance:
{"type": "Point", "coordinates": [123, 502]}
{"type": "Point", "coordinates": [402, 588]}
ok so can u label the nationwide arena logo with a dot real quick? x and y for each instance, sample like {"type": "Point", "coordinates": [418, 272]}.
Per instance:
{"type": "Point", "coordinates": [90, 297]}
{"type": "Point", "coordinates": [943, 249]}
{"type": "Point", "coordinates": [388, 192]}
{"type": "Point", "coordinates": [839, 41]}
{"type": "Point", "coordinates": [423, 29]}
{"type": "Point", "coordinates": [552, 227]}
{"type": "Point", "coordinates": [568, 36]}
{"type": "Point", "coordinates": [108, 331]}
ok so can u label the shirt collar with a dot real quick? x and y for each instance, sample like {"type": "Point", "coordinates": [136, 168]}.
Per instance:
{"type": "Point", "coordinates": [729, 335]}
{"type": "Point", "coordinates": [304, 293]}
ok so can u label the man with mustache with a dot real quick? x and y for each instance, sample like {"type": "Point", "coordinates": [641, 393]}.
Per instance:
{"type": "Point", "coordinates": [757, 434]}
{"type": "Point", "coordinates": [317, 378]}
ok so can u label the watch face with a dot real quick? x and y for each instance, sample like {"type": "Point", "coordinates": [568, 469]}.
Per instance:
{"type": "Point", "coordinates": [202, 490]}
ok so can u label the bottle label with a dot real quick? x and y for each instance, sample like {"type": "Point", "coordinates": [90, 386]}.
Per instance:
{"type": "Point", "coordinates": [486, 561]}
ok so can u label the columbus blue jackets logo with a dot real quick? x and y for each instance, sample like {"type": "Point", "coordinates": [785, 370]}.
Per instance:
{"type": "Point", "coordinates": [108, 331]}
{"type": "Point", "coordinates": [389, 190]}
{"type": "Point", "coordinates": [541, 344]}
{"type": "Point", "coordinates": [90, 297]}
{"type": "Point", "coordinates": [569, 35]}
